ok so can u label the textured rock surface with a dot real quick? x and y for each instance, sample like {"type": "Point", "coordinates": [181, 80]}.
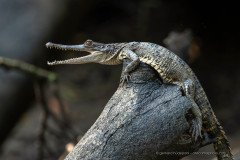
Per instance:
{"type": "Point", "coordinates": [143, 120]}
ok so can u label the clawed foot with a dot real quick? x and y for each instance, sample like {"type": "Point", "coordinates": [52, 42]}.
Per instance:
{"type": "Point", "coordinates": [125, 78]}
{"type": "Point", "coordinates": [195, 129]}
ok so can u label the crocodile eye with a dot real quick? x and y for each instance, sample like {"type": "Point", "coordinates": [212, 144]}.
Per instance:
{"type": "Point", "coordinates": [88, 43]}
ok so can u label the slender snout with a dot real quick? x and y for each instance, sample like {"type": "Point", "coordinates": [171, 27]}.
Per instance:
{"type": "Point", "coordinates": [66, 47]}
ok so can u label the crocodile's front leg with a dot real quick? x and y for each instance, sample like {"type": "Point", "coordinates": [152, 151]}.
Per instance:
{"type": "Point", "coordinates": [126, 53]}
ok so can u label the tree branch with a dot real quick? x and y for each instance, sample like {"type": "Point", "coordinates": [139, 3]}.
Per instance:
{"type": "Point", "coordinates": [64, 132]}
{"type": "Point", "coordinates": [27, 68]}
{"type": "Point", "coordinates": [144, 119]}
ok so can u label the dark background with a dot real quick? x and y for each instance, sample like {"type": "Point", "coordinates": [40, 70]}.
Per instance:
{"type": "Point", "coordinates": [205, 35]}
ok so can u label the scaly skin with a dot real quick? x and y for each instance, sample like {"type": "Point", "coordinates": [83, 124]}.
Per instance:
{"type": "Point", "coordinates": [171, 69]}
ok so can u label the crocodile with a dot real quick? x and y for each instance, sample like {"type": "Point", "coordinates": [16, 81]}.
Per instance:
{"type": "Point", "coordinates": [172, 70]}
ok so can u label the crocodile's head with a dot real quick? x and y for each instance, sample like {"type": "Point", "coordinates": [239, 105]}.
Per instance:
{"type": "Point", "coordinates": [98, 53]}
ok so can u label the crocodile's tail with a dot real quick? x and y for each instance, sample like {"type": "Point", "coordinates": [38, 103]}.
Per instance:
{"type": "Point", "coordinates": [221, 144]}
{"type": "Point", "coordinates": [212, 126]}
{"type": "Point", "coordinates": [215, 131]}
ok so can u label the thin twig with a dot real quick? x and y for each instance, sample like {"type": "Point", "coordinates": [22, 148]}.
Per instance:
{"type": "Point", "coordinates": [27, 68]}
{"type": "Point", "coordinates": [39, 93]}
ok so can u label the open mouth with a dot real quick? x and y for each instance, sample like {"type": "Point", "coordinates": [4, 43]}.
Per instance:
{"type": "Point", "coordinates": [78, 60]}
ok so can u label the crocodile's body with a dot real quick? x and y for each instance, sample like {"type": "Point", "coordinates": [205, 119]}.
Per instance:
{"type": "Point", "coordinates": [171, 69]}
